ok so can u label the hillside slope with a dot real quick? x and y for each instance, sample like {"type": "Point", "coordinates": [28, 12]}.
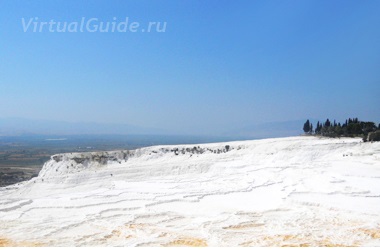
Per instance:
{"type": "Point", "coordinates": [296, 191]}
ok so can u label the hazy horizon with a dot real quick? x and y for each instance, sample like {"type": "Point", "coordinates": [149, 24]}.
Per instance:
{"type": "Point", "coordinates": [218, 66]}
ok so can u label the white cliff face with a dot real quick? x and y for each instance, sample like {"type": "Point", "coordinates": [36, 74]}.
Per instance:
{"type": "Point", "coordinates": [297, 191]}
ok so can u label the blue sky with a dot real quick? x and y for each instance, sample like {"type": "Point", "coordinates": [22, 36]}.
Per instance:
{"type": "Point", "coordinates": [219, 66]}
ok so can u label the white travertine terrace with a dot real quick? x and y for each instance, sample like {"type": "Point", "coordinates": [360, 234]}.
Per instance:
{"type": "Point", "coordinates": [296, 191]}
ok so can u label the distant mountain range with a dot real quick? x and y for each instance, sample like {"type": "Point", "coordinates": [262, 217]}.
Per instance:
{"type": "Point", "coordinates": [271, 129]}
{"type": "Point", "coordinates": [22, 126]}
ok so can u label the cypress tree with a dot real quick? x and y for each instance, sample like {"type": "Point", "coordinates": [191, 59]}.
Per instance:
{"type": "Point", "coordinates": [306, 126]}
{"type": "Point", "coordinates": [317, 128]}
{"type": "Point", "coordinates": [327, 123]}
